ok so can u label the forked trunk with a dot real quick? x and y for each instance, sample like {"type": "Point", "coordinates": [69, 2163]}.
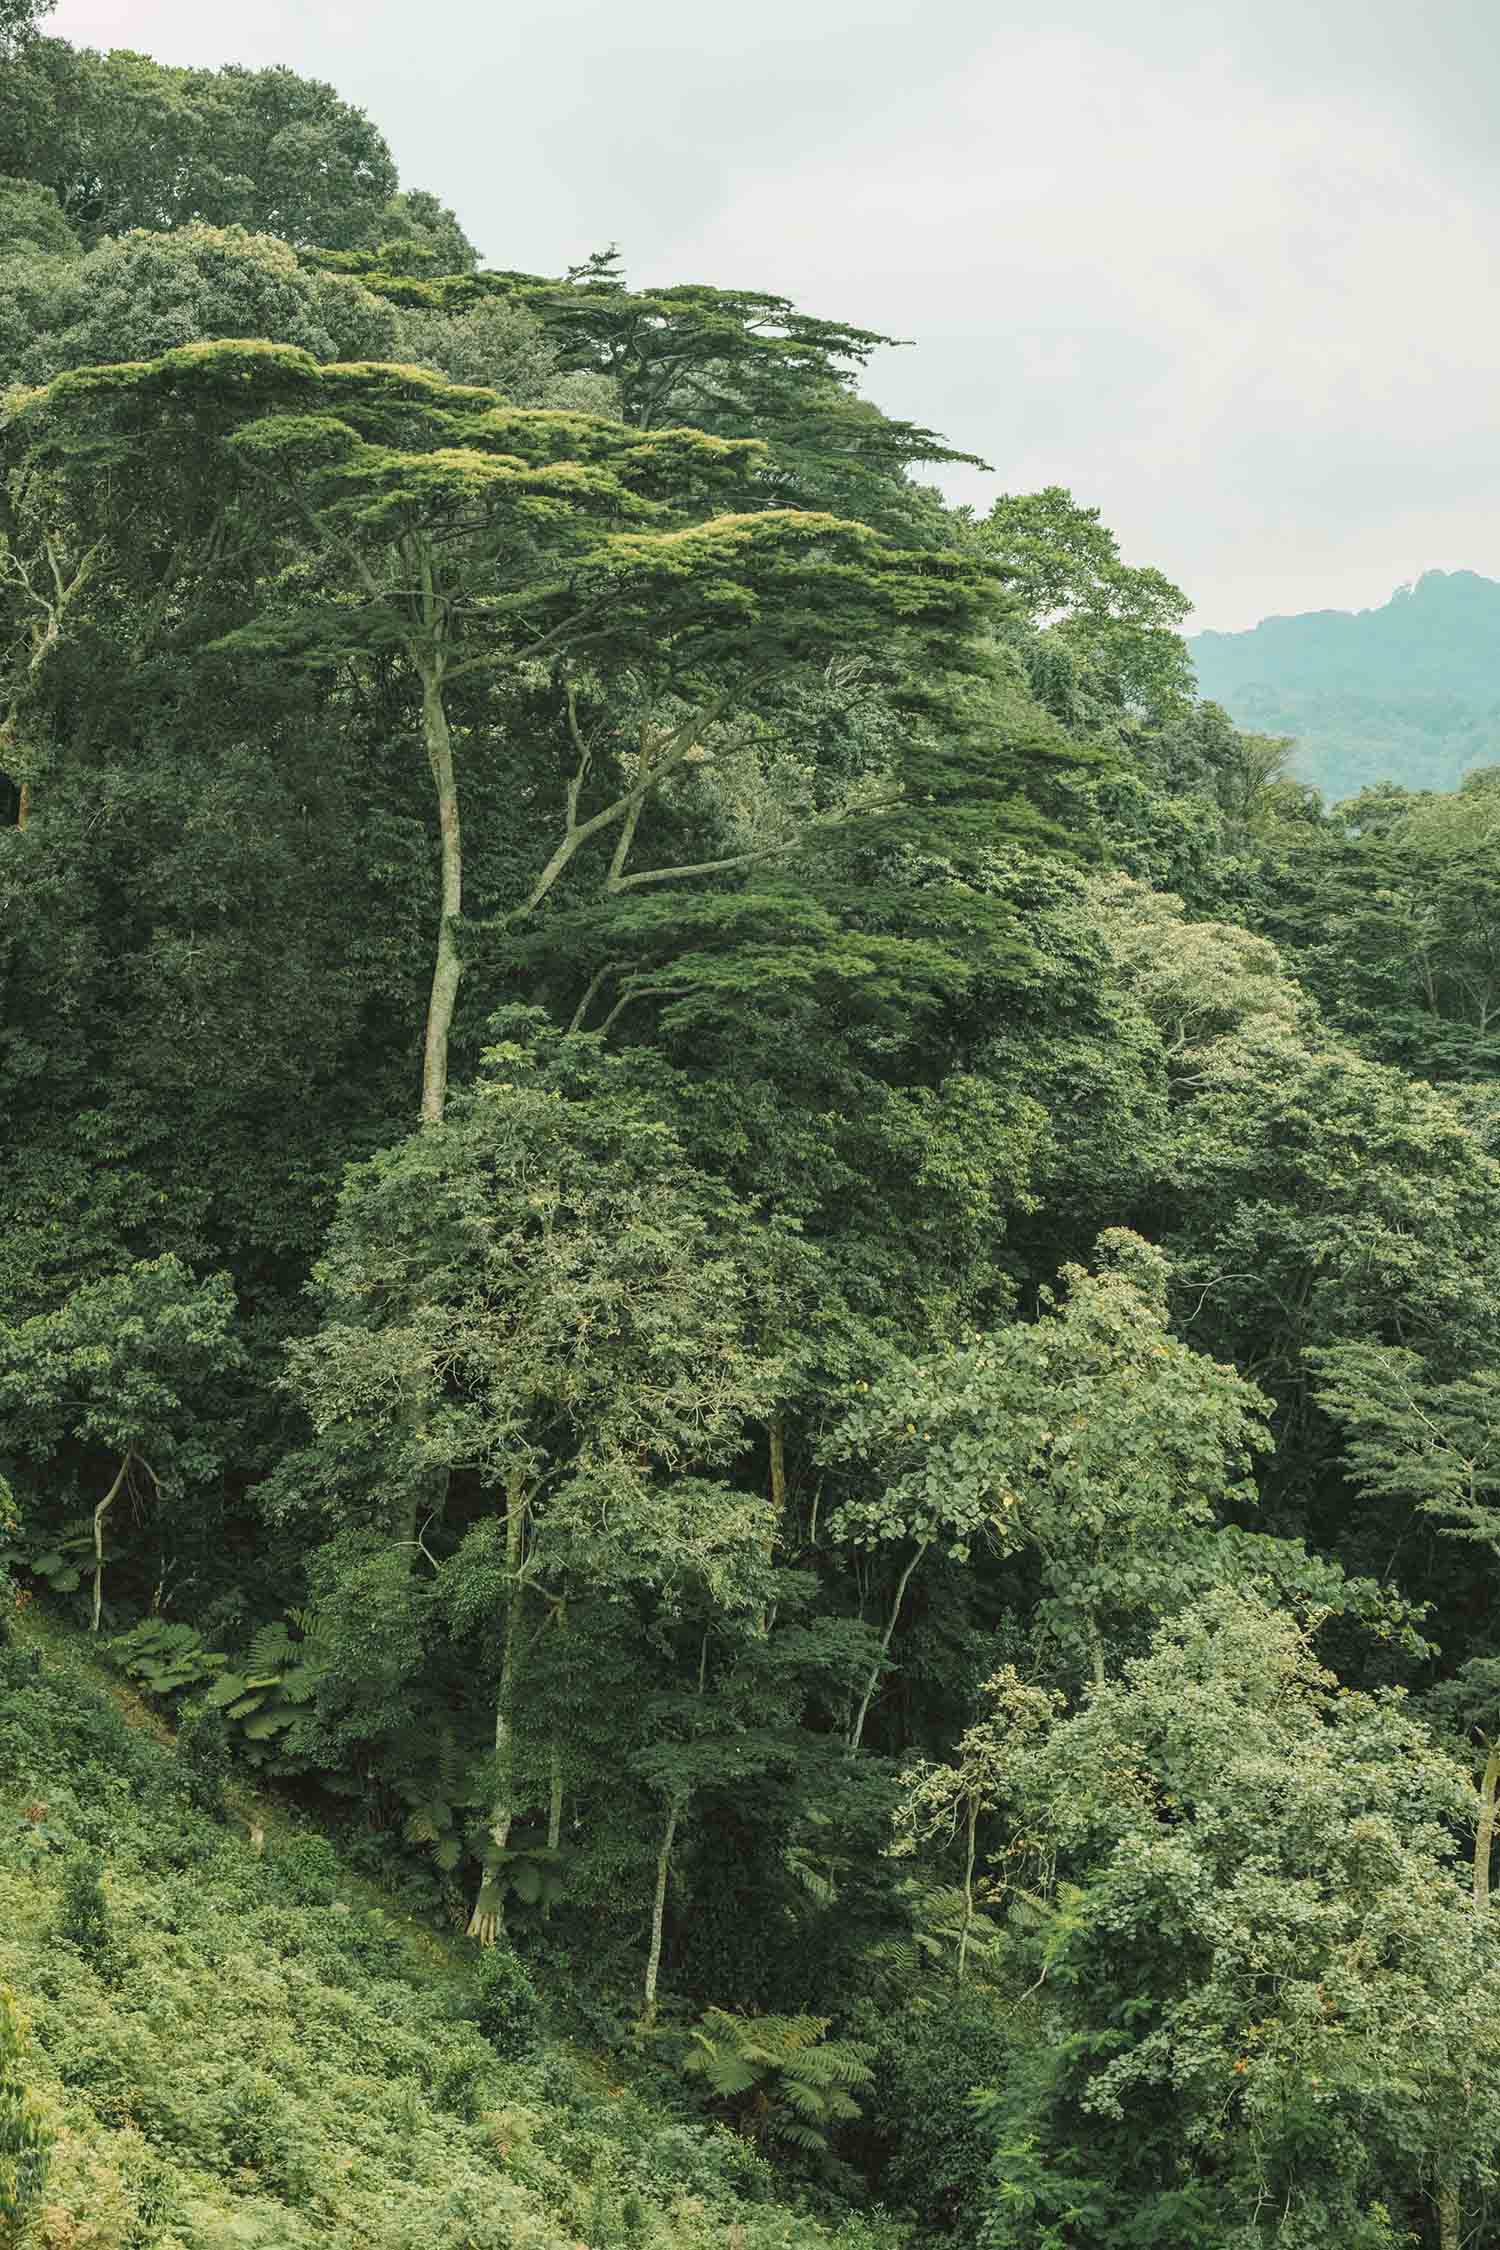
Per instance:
{"type": "Point", "coordinates": [857, 1731]}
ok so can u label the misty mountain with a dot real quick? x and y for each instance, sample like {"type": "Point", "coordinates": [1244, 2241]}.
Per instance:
{"type": "Point", "coordinates": [1409, 692]}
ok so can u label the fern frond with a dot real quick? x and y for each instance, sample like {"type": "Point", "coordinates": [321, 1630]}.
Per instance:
{"type": "Point", "coordinates": [841, 2108]}
{"type": "Point", "coordinates": [846, 2062]}
{"type": "Point", "coordinates": [798, 2135]}
{"type": "Point", "coordinates": [270, 1648]}
{"type": "Point", "coordinates": [807, 2100]}
{"type": "Point", "coordinates": [265, 1724]}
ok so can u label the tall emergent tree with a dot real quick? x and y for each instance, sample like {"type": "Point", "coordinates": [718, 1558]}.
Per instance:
{"type": "Point", "coordinates": [365, 513]}
{"type": "Point", "coordinates": [735, 362]}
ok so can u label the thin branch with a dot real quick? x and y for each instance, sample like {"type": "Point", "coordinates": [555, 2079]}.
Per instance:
{"type": "Point", "coordinates": [644, 778]}
{"type": "Point", "coordinates": [584, 753]}
{"type": "Point", "coordinates": [595, 986]}
{"type": "Point", "coordinates": [857, 1730]}
{"type": "Point", "coordinates": [763, 851]}
{"type": "Point", "coordinates": [635, 990]}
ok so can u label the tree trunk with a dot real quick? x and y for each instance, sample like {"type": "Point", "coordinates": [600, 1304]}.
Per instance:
{"type": "Point", "coordinates": [554, 1814]}
{"type": "Point", "coordinates": [963, 1942]}
{"type": "Point", "coordinates": [1096, 1649]}
{"type": "Point", "coordinates": [100, 1513]}
{"type": "Point", "coordinates": [487, 1921]}
{"type": "Point", "coordinates": [23, 805]}
{"type": "Point", "coordinates": [448, 966]}
{"type": "Point", "coordinates": [658, 1912]}
{"type": "Point", "coordinates": [1484, 1834]}
{"type": "Point", "coordinates": [1449, 2217]}
{"type": "Point", "coordinates": [776, 1433]}
{"type": "Point", "coordinates": [856, 1732]}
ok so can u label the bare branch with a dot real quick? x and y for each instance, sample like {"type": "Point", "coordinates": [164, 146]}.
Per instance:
{"type": "Point", "coordinates": [595, 986]}
{"type": "Point", "coordinates": [584, 753]}
{"type": "Point", "coordinates": [762, 851]}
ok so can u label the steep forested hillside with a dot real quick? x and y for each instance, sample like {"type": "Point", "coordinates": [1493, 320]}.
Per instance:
{"type": "Point", "coordinates": [234, 2037]}
{"type": "Point", "coordinates": [1408, 693]}
{"type": "Point", "coordinates": [743, 1273]}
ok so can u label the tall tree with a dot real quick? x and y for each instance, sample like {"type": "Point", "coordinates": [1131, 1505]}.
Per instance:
{"type": "Point", "coordinates": [20, 21]}
{"type": "Point", "coordinates": [131, 1366]}
{"type": "Point", "coordinates": [141, 294]}
{"type": "Point", "coordinates": [463, 536]}
{"type": "Point", "coordinates": [1109, 641]}
{"type": "Point", "coordinates": [1090, 1438]}
{"type": "Point", "coordinates": [734, 362]}
{"type": "Point", "coordinates": [543, 1294]}
{"type": "Point", "coordinates": [1390, 911]}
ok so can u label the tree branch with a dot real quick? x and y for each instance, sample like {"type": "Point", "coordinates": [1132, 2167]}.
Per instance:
{"type": "Point", "coordinates": [595, 986]}
{"type": "Point", "coordinates": [763, 851]}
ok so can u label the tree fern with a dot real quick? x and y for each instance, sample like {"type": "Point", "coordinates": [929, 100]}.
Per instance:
{"type": "Point", "coordinates": [265, 1693]}
{"type": "Point", "coordinates": [270, 1651]}
{"type": "Point", "coordinates": [165, 1656]}
{"type": "Point", "coordinates": [780, 2078]}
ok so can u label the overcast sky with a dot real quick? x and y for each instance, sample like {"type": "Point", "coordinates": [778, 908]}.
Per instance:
{"type": "Point", "coordinates": [1228, 268]}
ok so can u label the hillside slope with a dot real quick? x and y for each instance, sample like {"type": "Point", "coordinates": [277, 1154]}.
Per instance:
{"type": "Point", "coordinates": [247, 2048]}
{"type": "Point", "coordinates": [1409, 692]}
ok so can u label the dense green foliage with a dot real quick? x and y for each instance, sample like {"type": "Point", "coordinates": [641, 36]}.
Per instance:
{"type": "Point", "coordinates": [237, 2038]}
{"type": "Point", "coordinates": [1407, 693]}
{"type": "Point", "coordinates": [24, 2141]}
{"type": "Point", "coordinates": [724, 1238]}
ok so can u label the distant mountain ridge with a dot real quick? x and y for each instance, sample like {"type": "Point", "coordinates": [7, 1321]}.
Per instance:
{"type": "Point", "coordinates": [1409, 692]}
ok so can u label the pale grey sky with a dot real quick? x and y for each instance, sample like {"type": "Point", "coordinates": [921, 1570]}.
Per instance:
{"type": "Point", "coordinates": [1226, 267]}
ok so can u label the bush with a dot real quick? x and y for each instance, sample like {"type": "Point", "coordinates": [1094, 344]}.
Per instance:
{"type": "Point", "coordinates": [927, 2145]}
{"type": "Point", "coordinates": [19, 1667]}
{"type": "Point", "coordinates": [203, 1754]}
{"type": "Point", "coordinates": [83, 1917]}
{"type": "Point", "coordinates": [504, 2004]}
{"type": "Point", "coordinates": [24, 2142]}
{"type": "Point", "coordinates": [308, 1868]}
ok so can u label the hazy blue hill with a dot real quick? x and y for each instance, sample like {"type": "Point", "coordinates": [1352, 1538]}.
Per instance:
{"type": "Point", "coordinates": [1409, 692]}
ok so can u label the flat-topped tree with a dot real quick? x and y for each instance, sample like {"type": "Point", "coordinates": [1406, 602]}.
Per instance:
{"type": "Point", "coordinates": [329, 513]}
{"type": "Point", "coordinates": [734, 362]}
{"type": "Point", "coordinates": [739, 362]}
